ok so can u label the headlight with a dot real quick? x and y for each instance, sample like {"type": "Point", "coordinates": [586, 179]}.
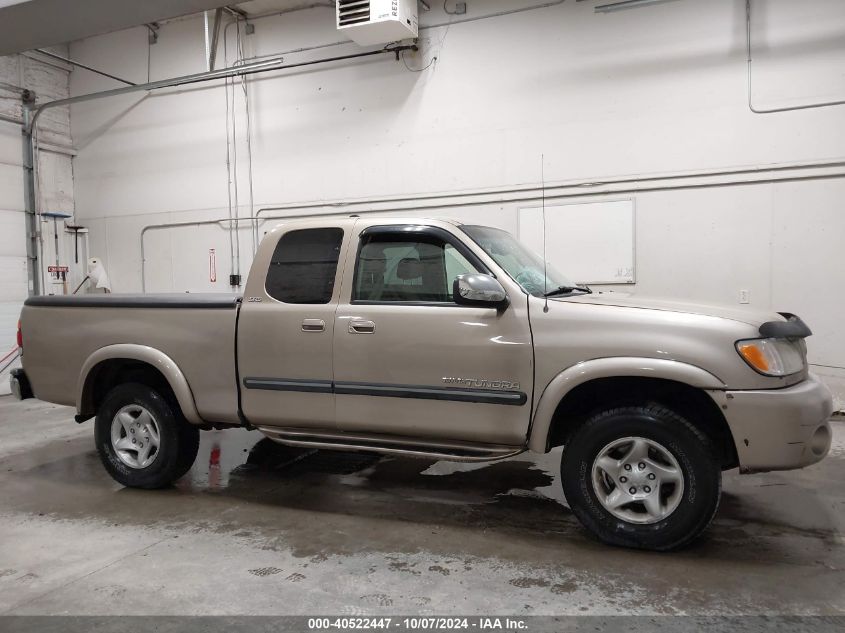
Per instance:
{"type": "Point", "coordinates": [773, 356]}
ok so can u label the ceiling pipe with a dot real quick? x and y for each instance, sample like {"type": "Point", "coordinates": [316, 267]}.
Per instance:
{"type": "Point", "coordinates": [80, 65]}
{"type": "Point", "coordinates": [223, 73]}
{"type": "Point", "coordinates": [751, 106]}
{"type": "Point", "coordinates": [627, 4]}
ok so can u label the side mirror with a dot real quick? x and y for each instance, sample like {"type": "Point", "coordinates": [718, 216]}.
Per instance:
{"type": "Point", "coordinates": [479, 290]}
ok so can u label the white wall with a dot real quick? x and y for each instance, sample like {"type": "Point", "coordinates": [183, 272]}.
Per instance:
{"type": "Point", "coordinates": [55, 183]}
{"type": "Point", "coordinates": [654, 91]}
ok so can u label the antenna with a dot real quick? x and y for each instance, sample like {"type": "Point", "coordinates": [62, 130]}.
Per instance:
{"type": "Point", "coordinates": [545, 261]}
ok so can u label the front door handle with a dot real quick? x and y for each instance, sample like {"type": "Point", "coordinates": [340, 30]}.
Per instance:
{"type": "Point", "coordinates": [361, 327]}
{"type": "Point", "coordinates": [313, 325]}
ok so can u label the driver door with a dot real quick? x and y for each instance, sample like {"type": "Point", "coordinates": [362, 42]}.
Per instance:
{"type": "Point", "coordinates": [410, 362]}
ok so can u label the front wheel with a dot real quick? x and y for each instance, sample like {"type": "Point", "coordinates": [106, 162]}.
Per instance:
{"type": "Point", "coordinates": [141, 438]}
{"type": "Point", "coordinates": [641, 477]}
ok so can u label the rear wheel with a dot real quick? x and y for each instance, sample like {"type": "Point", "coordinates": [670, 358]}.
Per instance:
{"type": "Point", "coordinates": [142, 439]}
{"type": "Point", "coordinates": [642, 477]}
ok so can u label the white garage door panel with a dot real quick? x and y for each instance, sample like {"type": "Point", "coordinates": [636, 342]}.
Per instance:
{"type": "Point", "coordinates": [13, 282]}
{"type": "Point", "coordinates": [55, 182]}
{"type": "Point", "coordinates": [10, 312]}
{"type": "Point", "coordinates": [11, 187]}
{"type": "Point", "coordinates": [11, 151]}
{"type": "Point", "coordinates": [12, 233]}
{"type": "Point", "coordinates": [56, 192]}
{"type": "Point", "coordinates": [13, 277]}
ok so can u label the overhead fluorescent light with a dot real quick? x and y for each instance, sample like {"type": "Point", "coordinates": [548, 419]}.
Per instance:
{"type": "Point", "coordinates": [627, 4]}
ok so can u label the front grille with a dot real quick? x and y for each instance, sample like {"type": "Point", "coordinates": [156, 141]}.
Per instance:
{"type": "Point", "coordinates": [352, 12]}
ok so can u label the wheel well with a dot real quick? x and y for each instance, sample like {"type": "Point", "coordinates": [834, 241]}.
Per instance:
{"type": "Point", "coordinates": [108, 374]}
{"type": "Point", "coordinates": [690, 402]}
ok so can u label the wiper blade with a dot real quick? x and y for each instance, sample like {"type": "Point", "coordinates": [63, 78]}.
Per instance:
{"type": "Point", "coordinates": [565, 290]}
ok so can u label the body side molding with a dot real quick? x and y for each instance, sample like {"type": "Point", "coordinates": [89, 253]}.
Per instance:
{"type": "Point", "coordinates": [420, 392]}
{"type": "Point", "coordinates": [621, 367]}
{"type": "Point", "coordinates": [290, 384]}
{"type": "Point", "coordinates": [145, 354]}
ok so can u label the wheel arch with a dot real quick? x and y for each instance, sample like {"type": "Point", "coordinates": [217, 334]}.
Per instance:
{"type": "Point", "coordinates": [103, 369]}
{"type": "Point", "coordinates": [575, 392]}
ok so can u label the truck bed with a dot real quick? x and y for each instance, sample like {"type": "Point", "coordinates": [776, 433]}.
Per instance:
{"type": "Point", "coordinates": [197, 331]}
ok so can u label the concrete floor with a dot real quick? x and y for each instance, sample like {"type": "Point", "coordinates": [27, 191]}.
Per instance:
{"type": "Point", "coordinates": [256, 528]}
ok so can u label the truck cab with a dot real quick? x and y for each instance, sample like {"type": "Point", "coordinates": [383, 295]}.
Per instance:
{"type": "Point", "coordinates": [355, 330]}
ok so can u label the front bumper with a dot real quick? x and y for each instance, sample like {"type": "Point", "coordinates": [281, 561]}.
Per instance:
{"type": "Point", "coordinates": [779, 429]}
{"type": "Point", "coordinates": [19, 384]}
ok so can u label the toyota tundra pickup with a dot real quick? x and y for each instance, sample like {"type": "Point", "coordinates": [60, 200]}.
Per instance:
{"type": "Point", "coordinates": [442, 340]}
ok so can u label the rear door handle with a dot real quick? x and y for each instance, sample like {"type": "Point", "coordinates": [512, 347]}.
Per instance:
{"type": "Point", "coordinates": [313, 325]}
{"type": "Point", "coordinates": [361, 327]}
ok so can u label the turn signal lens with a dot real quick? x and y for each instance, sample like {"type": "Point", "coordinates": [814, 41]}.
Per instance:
{"type": "Point", "coordinates": [20, 336]}
{"type": "Point", "coordinates": [773, 356]}
{"type": "Point", "coordinates": [754, 356]}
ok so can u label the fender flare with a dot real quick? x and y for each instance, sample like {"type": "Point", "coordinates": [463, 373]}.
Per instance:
{"type": "Point", "coordinates": [151, 356]}
{"type": "Point", "coordinates": [621, 367]}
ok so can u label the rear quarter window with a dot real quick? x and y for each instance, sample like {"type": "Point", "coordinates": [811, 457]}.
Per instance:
{"type": "Point", "coordinates": [303, 268]}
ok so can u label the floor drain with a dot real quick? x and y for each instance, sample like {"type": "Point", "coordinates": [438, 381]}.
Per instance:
{"type": "Point", "coordinates": [265, 571]}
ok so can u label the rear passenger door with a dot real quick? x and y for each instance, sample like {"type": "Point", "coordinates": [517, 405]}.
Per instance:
{"type": "Point", "coordinates": [286, 325]}
{"type": "Point", "coordinates": [409, 361]}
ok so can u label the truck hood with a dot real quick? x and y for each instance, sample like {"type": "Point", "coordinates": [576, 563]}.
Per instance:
{"type": "Point", "coordinates": [743, 315]}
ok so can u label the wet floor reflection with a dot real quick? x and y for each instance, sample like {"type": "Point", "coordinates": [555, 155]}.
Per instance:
{"type": "Point", "coordinates": [522, 493]}
{"type": "Point", "coordinates": [244, 482]}
{"type": "Point", "coordinates": [237, 461]}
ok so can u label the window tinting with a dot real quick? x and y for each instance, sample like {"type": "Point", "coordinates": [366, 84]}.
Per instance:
{"type": "Point", "coordinates": [304, 266]}
{"type": "Point", "coordinates": [392, 269]}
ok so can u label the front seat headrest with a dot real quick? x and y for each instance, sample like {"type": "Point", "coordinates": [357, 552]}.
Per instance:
{"type": "Point", "coordinates": [409, 268]}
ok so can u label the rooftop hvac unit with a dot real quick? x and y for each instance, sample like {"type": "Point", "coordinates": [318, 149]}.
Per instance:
{"type": "Point", "coordinates": [369, 22]}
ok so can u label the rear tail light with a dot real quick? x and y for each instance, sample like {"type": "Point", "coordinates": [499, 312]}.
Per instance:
{"type": "Point", "coordinates": [20, 336]}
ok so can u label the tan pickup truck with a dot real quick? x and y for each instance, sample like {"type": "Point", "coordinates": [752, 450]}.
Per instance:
{"type": "Point", "coordinates": [437, 339]}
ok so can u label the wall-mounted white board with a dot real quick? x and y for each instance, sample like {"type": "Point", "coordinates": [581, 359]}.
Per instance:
{"type": "Point", "coordinates": [590, 242]}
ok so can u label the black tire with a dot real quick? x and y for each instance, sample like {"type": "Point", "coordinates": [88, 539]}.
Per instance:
{"type": "Point", "coordinates": [178, 441]}
{"type": "Point", "coordinates": [691, 449]}
{"type": "Point", "coordinates": [189, 447]}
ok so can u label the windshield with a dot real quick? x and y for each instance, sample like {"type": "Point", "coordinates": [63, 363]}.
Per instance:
{"type": "Point", "coordinates": [519, 262]}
